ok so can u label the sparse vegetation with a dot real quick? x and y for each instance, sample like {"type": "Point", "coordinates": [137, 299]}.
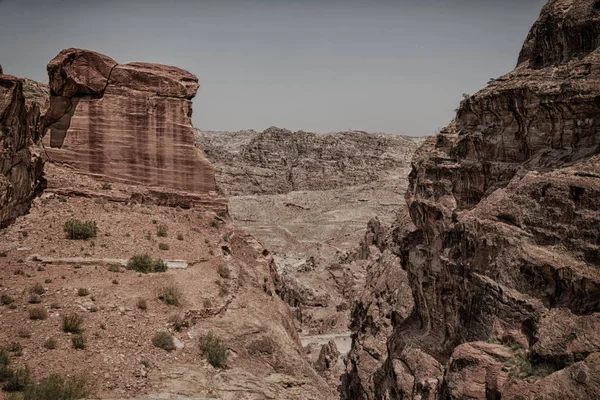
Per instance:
{"type": "Point", "coordinates": [162, 230]}
{"type": "Point", "coordinates": [35, 299]}
{"type": "Point", "coordinates": [24, 333]}
{"type": "Point", "coordinates": [114, 268]}
{"type": "Point", "coordinates": [38, 288]}
{"type": "Point", "coordinates": [82, 292]}
{"type": "Point", "coordinates": [180, 236]}
{"type": "Point", "coordinates": [57, 387]}
{"type": "Point", "coordinates": [38, 313]}
{"type": "Point", "coordinates": [178, 321]}
{"type": "Point", "coordinates": [224, 272]}
{"type": "Point", "coordinates": [142, 305]}
{"type": "Point", "coordinates": [50, 344]}
{"type": "Point", "coordinates": [170, 295]}
{"type": "Point", "coordinates": [214, 223]}
{"type": "Point", "coordinates": [106, 186]}
{"type": "Point", "coordinates": [163, 246]}
{"type": "Point", "coordinates": [15, 380]}
{"type": "Point", "coordinates": [79, 230]}
{"type": "Point", "coordinates": [6, 299]}
{"type": "Point", "coordinates": [163, 340]}
{"type": "Point", "coordinates": [145, 264]}
{"type": "Point", "coordinates": [79, 342]}
{"type": "Point", "coordinates": [213, 349]}
{"type": "Point", "coordinates": [72, 323]}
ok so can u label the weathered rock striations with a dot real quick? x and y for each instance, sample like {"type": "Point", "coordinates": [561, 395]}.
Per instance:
{"type": "Point", "coordinates": [504, 263]}
{"type": "Point", "coordinates": [279, 161]}
{"type": "Point", "coordinates": [125, 123]}
{"type": "Point", "coordinates": [20, 170]}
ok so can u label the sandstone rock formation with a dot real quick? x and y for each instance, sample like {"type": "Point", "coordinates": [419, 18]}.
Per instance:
{"type": "Point", "coordinates": [280, 161]}
{"type": "Point", "coordinates": [503, 265]}
{"type": "Point", "coordinates": [126, 123]}
{"type": "Point", "coordinates": [329, 186]}
{"type": "Point", "coordinates": [20, 170]}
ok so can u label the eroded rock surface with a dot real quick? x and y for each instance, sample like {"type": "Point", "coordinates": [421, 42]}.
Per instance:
{"type": "Point", "coordinates": [127, 123]}
{"type": "Point", "coordinates": [503, 265]}
{"type": "Point", "coordinates": [20, 169]}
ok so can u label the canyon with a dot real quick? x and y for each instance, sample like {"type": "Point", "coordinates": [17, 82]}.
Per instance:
{"type": "Point", "coordinates": [346, 265]}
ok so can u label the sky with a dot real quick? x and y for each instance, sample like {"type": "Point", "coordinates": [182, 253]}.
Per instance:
{"type": "Point", "coordinates": [396, 66]}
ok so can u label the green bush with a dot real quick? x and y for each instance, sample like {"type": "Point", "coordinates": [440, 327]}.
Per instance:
{"type": "Point", "coordinates": [79, 230]}
{"type": "Point", "coordinates": [162, 230]}
{"type": "Point", "coordinates": [72, 323]}
{"type": "Point", "coordinates": [163, 340]}
{"type": "Point", "coordinates": [145, 264]}
{"type": "Point", "coordinates": [79, 342]}
{"type": "Point", "coordinates": [15, 380]}
{"type": "Point", "coordinates": [6, 299]}
{"type": "Point", "coordinates": [38, 313]}
{"type": "Point", "coordinates": [214, 350]}
{"type": "Point", "coordinates": [56, 387]}
{"type": "Point", "coordinates": [171, 295]}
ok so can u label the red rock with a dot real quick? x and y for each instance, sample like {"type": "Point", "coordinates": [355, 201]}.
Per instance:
{"type": "Point", "coordinates": [125, 123]}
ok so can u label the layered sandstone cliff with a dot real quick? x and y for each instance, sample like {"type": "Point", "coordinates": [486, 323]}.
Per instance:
{"type": "Point", "coordinates": [127, 123]}
{"type": "Point", "coordinates": [20, 170]}
{"type": "Point", "coordinates": [503, 265]}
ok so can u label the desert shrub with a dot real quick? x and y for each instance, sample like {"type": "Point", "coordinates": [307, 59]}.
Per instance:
{"type": "Point", "coordinates": [145, 264]}
{"type": "Point", "coordinates": [38, 313]}
{"type": "Point", "coordinates": [162, 230]}
{"type": "Point", "coordinates": [79, 342]}
{"type": "Point", "coordinates": [15, 348]}
{"type": "Point", "coordinates": [38, 288]}
{"type": "Point", "coordinates": [163, 246]}
{"type": "Point", "coordinates": [170, 295]}
{"type": "Point", "coordinates": [24, 333]}
{"type": "Point", "coordinates": [72, 323]}
{"type": "Point", "coordinates": [114, 268]}
{"type": "Point", "coordinates": [48, 281]}
{"type": "Point", "coordinates": [79, 230]}
{"type": "Point", "coordinates": [180, 236]}
{"type": "Point", "coordinates": [16, 380]}
{"type": "Point", "coordinates": [142, 305]}
{"type": "Point", "coordinates": [50, 344]}
{"type": "Point", "coordinates": [5, 299]}
{"type": "Point", "coordinates": [54, 306]}
{"type": "Point", "coordinates": [106, 186]}
{"type": "Point", "coordinates": [35, 299]}
{"type": "Point", "coordinates": [224, 272]}
{"type": "Point", "coordinates": [178, 321]}
{"type": "Point", "coordinates": [57, 387]}
{"type": "Point", "coordinates": [213, 349]}
{"type": "Point", "coordinates": [82, 292]}
{"type": "Point", "coordinates": [214, 223]}
{"type": "Point", "coordinates": [163, 340]}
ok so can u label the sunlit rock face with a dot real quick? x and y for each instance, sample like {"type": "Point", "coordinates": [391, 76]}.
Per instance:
{"type": "Point", "coordinates": [128, 123]}
{"type": "Point", "coordinates": [504, 262]}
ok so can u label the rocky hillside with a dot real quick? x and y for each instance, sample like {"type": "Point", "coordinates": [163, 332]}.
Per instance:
{"type": "Point", "coordinates": [127, 279]}
{"type": "Point", "coordinates": [279, 161]}
{"type": "Point", "coordinates": [496, 292]}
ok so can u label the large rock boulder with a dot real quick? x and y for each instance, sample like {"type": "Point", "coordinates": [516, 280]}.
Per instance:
{"type": "Point", "coordinates": [506, 200]}
{"type": "Point", "coordinates": [20, 170]}
{"type": "Point", "coordinates": [126, 123]}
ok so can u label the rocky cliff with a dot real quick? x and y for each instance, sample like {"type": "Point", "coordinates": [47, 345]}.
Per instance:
{"type": "Point", "coordinates": [279, 161]}
{"type": "Point", "coordinates": [127, 123]}
{"type": "Point", "coordinates": [20, 169]}
{"type": "Point", "coordinates": [496, 292]}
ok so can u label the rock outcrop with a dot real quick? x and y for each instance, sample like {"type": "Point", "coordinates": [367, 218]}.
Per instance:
{"type": "Point", "coordinates": [20, 169]}
{"type": "Point", "coordinates": [503, 265]}
{"type": "Point", "coordinates": [126, 123]}
{"type": "Point", "coordinates": [279, 161]}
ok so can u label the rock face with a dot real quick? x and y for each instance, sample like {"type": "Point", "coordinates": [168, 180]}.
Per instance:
{"type": "Point", "coordinates": [307, 198]}
{"type": "Point", "coordinates": [503, 265]}
{"type": "Point", "coordinates": [20, 170]}
{"type": "Point", "coordinates": [125, 123]}
{"type": "Point", "coordinates": [280, 161]}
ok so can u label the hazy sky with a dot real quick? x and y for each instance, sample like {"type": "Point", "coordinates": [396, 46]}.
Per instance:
{"type": "Point", "coordinates": [317, 65]}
